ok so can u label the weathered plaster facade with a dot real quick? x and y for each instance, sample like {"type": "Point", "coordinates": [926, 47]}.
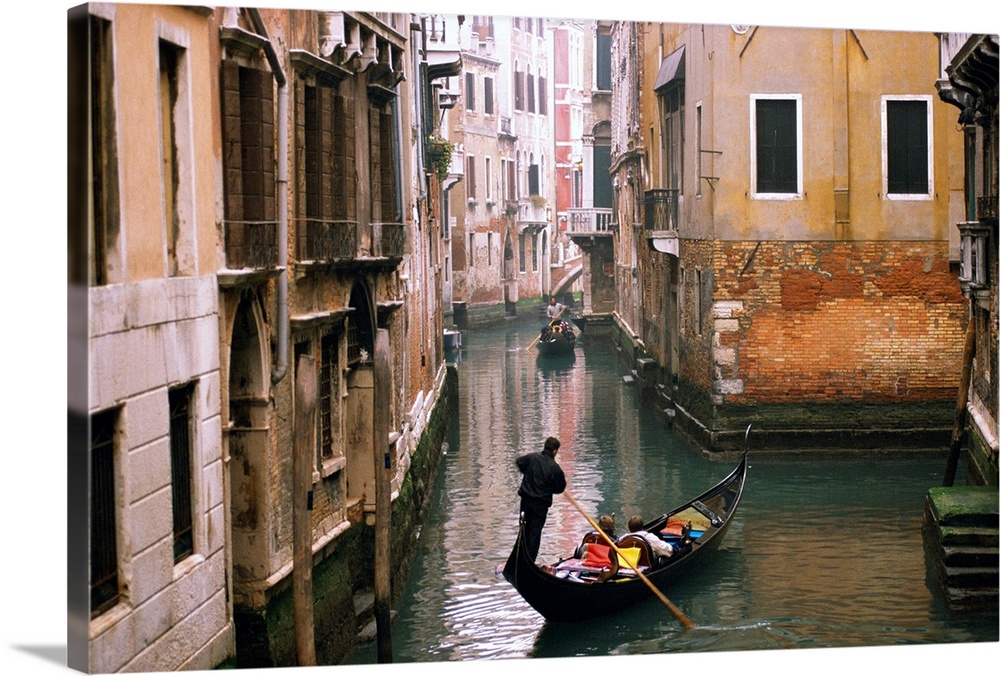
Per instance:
{"type": "Point", "coordinates": [824, 310]}
{"type": "Point", "coordinates": [153, 339]}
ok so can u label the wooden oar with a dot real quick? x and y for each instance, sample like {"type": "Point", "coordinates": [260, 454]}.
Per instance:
{"type": "Point", "coordinates": [681, 617]}
{"type": "Point", "coordinates": [539, 336]}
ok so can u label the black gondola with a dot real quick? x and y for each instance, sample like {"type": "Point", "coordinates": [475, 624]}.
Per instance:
{"type": "Point", "coordinates": [573, 597]}
{"type": "Point", "coordinates": [559, 339]}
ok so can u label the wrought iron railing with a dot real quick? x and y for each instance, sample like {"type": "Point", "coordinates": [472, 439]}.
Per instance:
{"type": "Point", "coordinates": [318, 240]}
{"type": "Point", "coordinates": [251, 244]}
{"type": "Point", "coordinates": [661, 209]}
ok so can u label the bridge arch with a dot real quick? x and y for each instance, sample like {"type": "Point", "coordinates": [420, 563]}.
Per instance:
{"type": "Point", "coordinates": [566, 282]}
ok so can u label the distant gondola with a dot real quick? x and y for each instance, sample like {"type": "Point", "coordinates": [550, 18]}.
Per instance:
{"type": "Point", "coordinates": [567, 591]}
{"type": "Point", "coordinates": [557, 338]}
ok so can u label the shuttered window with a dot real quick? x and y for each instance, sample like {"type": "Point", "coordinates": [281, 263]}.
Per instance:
{"type": "Point", "coordinates": [906, 147]}
{"type": "Point", "coordinates": [470, 91]}
{"type": "Point", "coordinates": [488, 95]}
{"type": "Point", "coordinates": [604, 62]}
{"type": "Point", "coordinates": [777, 149]}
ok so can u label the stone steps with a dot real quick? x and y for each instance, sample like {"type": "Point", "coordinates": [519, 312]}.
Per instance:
{"type": "Point", "coordinates": [961, 539]}
{"type": "Point", "coordinates": [364, 616]}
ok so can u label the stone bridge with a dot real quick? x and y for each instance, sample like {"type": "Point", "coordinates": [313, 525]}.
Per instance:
{"type": "Point", "coordinates": [564, 276]}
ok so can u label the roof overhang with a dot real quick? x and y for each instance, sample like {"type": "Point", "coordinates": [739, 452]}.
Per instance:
{"type": "Point", "coordinates": [671, 68]}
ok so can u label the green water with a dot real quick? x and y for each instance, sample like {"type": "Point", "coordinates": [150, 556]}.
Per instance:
{"type": "Point", "coordinates": [824, 552]}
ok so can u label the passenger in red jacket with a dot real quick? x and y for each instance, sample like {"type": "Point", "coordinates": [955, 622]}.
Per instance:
{"type": "Point", "coordinates": [542, 478]}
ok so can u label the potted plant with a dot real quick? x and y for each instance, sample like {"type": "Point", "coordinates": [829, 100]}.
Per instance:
{"type": "Point", "coordinates": [439, 151]}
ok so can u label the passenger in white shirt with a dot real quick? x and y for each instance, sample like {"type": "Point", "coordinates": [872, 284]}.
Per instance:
{"type": "Point", "coordinates": [659, 547]}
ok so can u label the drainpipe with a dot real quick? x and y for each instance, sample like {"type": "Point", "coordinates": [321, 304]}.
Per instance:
{"type": "Point", "coordinates": [281, 358]}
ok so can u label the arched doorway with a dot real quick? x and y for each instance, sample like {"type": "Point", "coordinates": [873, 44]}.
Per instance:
{"type": "Point", "coordinates": [248, 441]}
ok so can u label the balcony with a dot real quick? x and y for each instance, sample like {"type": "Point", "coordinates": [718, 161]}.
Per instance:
{"type": "Point", "coordinates": [661, 220]}
{"type": "Point", "coordinates": [390, 240]}
{"type": "Point", "coordinates": [589, 222]}
{"type": "Point", "coordinates": [251, 245]}
{"type": "Point", "coordinates": [507, 128]}
{"type": "Point", "coordinates": [326, 241]}
{"type": "Point", "coordinates": [532, 211]}
{"type": "Point", "coordinates": [974, 273]}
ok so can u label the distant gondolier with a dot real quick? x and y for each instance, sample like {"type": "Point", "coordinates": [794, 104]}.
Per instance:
{"type": "Point", "coordinates": [542, 478]}
{"type": "Point", "coordinates": [554, 309]}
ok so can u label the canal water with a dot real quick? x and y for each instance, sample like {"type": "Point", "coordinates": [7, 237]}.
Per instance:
{"type": "Point", "coordinates": [824, 552]}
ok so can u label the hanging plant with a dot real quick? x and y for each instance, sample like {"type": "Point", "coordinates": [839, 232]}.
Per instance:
{"type": "Point", "coordinates": [439, 151]}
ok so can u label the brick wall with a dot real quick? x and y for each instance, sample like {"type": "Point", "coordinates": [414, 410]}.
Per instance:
{"type": "Point", "coordinates": [834, 321]}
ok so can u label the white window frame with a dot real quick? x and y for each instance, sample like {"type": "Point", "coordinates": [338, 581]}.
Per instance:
{"type": "Point", "coordinates": [797, 195]}
{"type": "Point", "coordinates": [908, 197]}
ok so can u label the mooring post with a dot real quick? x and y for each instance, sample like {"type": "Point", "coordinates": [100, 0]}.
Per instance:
{"type": "Point", "coordinates": [302, 465]}
{"type": "Point", "coordinates": [382, 396]}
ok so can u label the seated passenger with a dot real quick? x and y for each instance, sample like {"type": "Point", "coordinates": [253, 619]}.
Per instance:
{"type": "Point", "coordinates": [607, 524]}
{"type": "Point", "coordinates": [658, 546]}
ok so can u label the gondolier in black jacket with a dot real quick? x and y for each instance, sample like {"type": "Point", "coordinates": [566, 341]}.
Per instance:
{"type": "Point", "coordinates": [542, 478]}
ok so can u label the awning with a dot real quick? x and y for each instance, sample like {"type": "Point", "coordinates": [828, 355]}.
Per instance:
{"type": "Point", "coordinates": [671, 69]}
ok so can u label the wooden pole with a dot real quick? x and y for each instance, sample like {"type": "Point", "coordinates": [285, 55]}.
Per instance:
{"type": "Point", "coordinates": [681, 617]}
{"type": "Point", "coordinates": [382, 401]}
{"type": "Point", "coordinates": [303, 450]}
{"type": "Point", "coordinates": [958, 432]}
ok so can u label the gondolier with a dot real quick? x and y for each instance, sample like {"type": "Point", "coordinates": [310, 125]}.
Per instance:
{"type": "Point", "coordinates": [542, 477]}
{"type": "Point", "coordinates": [554, 309]}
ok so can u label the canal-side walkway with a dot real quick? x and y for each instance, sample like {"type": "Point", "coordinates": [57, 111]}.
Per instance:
{"type": "Point", "coordinates": [960, 535]}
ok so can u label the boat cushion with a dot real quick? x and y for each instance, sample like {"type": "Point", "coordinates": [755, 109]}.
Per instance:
{"type": "Point", "coordinates": [629, 557]}
{"type": "Point", "coordinates": [674, 526]}
{"type": "Point", "coordinates": [597, 556]}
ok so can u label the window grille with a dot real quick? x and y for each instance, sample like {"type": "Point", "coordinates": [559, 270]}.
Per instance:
{"type": "Point", "coordinates": [180, 470]}
{"type": "Point", "coordinates": [104, 591]}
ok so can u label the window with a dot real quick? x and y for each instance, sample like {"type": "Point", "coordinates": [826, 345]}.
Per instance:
{"type": "Point", "coordinates": [104, 259]}
{"type": "Point", "coordinates": [510, 180]}
{"type": "Point", "coordinates": [472, 249]}
{"type": "Point", "coordinates": [382, 160]}
{"type": "Point", "coordinates": [697, 158]}
{"type": "Point", "coordinates": [776, 146]}
{"type": "Point", "coordinates": [531, 93]}
{"type": "Point", "coordinates": [488, 95]}
{"type": "Point", "coordinates": [329, 397]}
{"type": "Point", "coordinates": [489, 249]}
{"type": "Point", "coordinates": [521, 251]}
{"type": "Point", "coordinates": [470, 92]}
{"type": "Point", "coordinates": [176, 150]}
{"type": "Point", "coordinates": [104, 587]}
{"type": "Point", "coordinates": [470, 177]}
{"type": "Point", "coordinates": [603, 74]}
{"type": "Point", "coordinates": [602, 181]}
{"type": "Point", "coordinates": [518, 89]}
{"type": "Point", "coordinates": [906, 144]}
{"type": "Point", "coordinates": [489, 179]}
{"type": "Point", "coordinates": [698, 291]}
{"type": "Point", "coordinates": [248, 162]}
{"type": "Point", "coordinates": [181, 443]}
{"type": "Point", "coordinates": [543, 101]}
{"type": "Point", "coordinates": [533, 179]}
{"type": "Point", "coordinates": [672, 100]}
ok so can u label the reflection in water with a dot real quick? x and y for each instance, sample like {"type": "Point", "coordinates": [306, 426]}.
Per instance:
{"type": "Point", "coordinates": [824, 551]}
